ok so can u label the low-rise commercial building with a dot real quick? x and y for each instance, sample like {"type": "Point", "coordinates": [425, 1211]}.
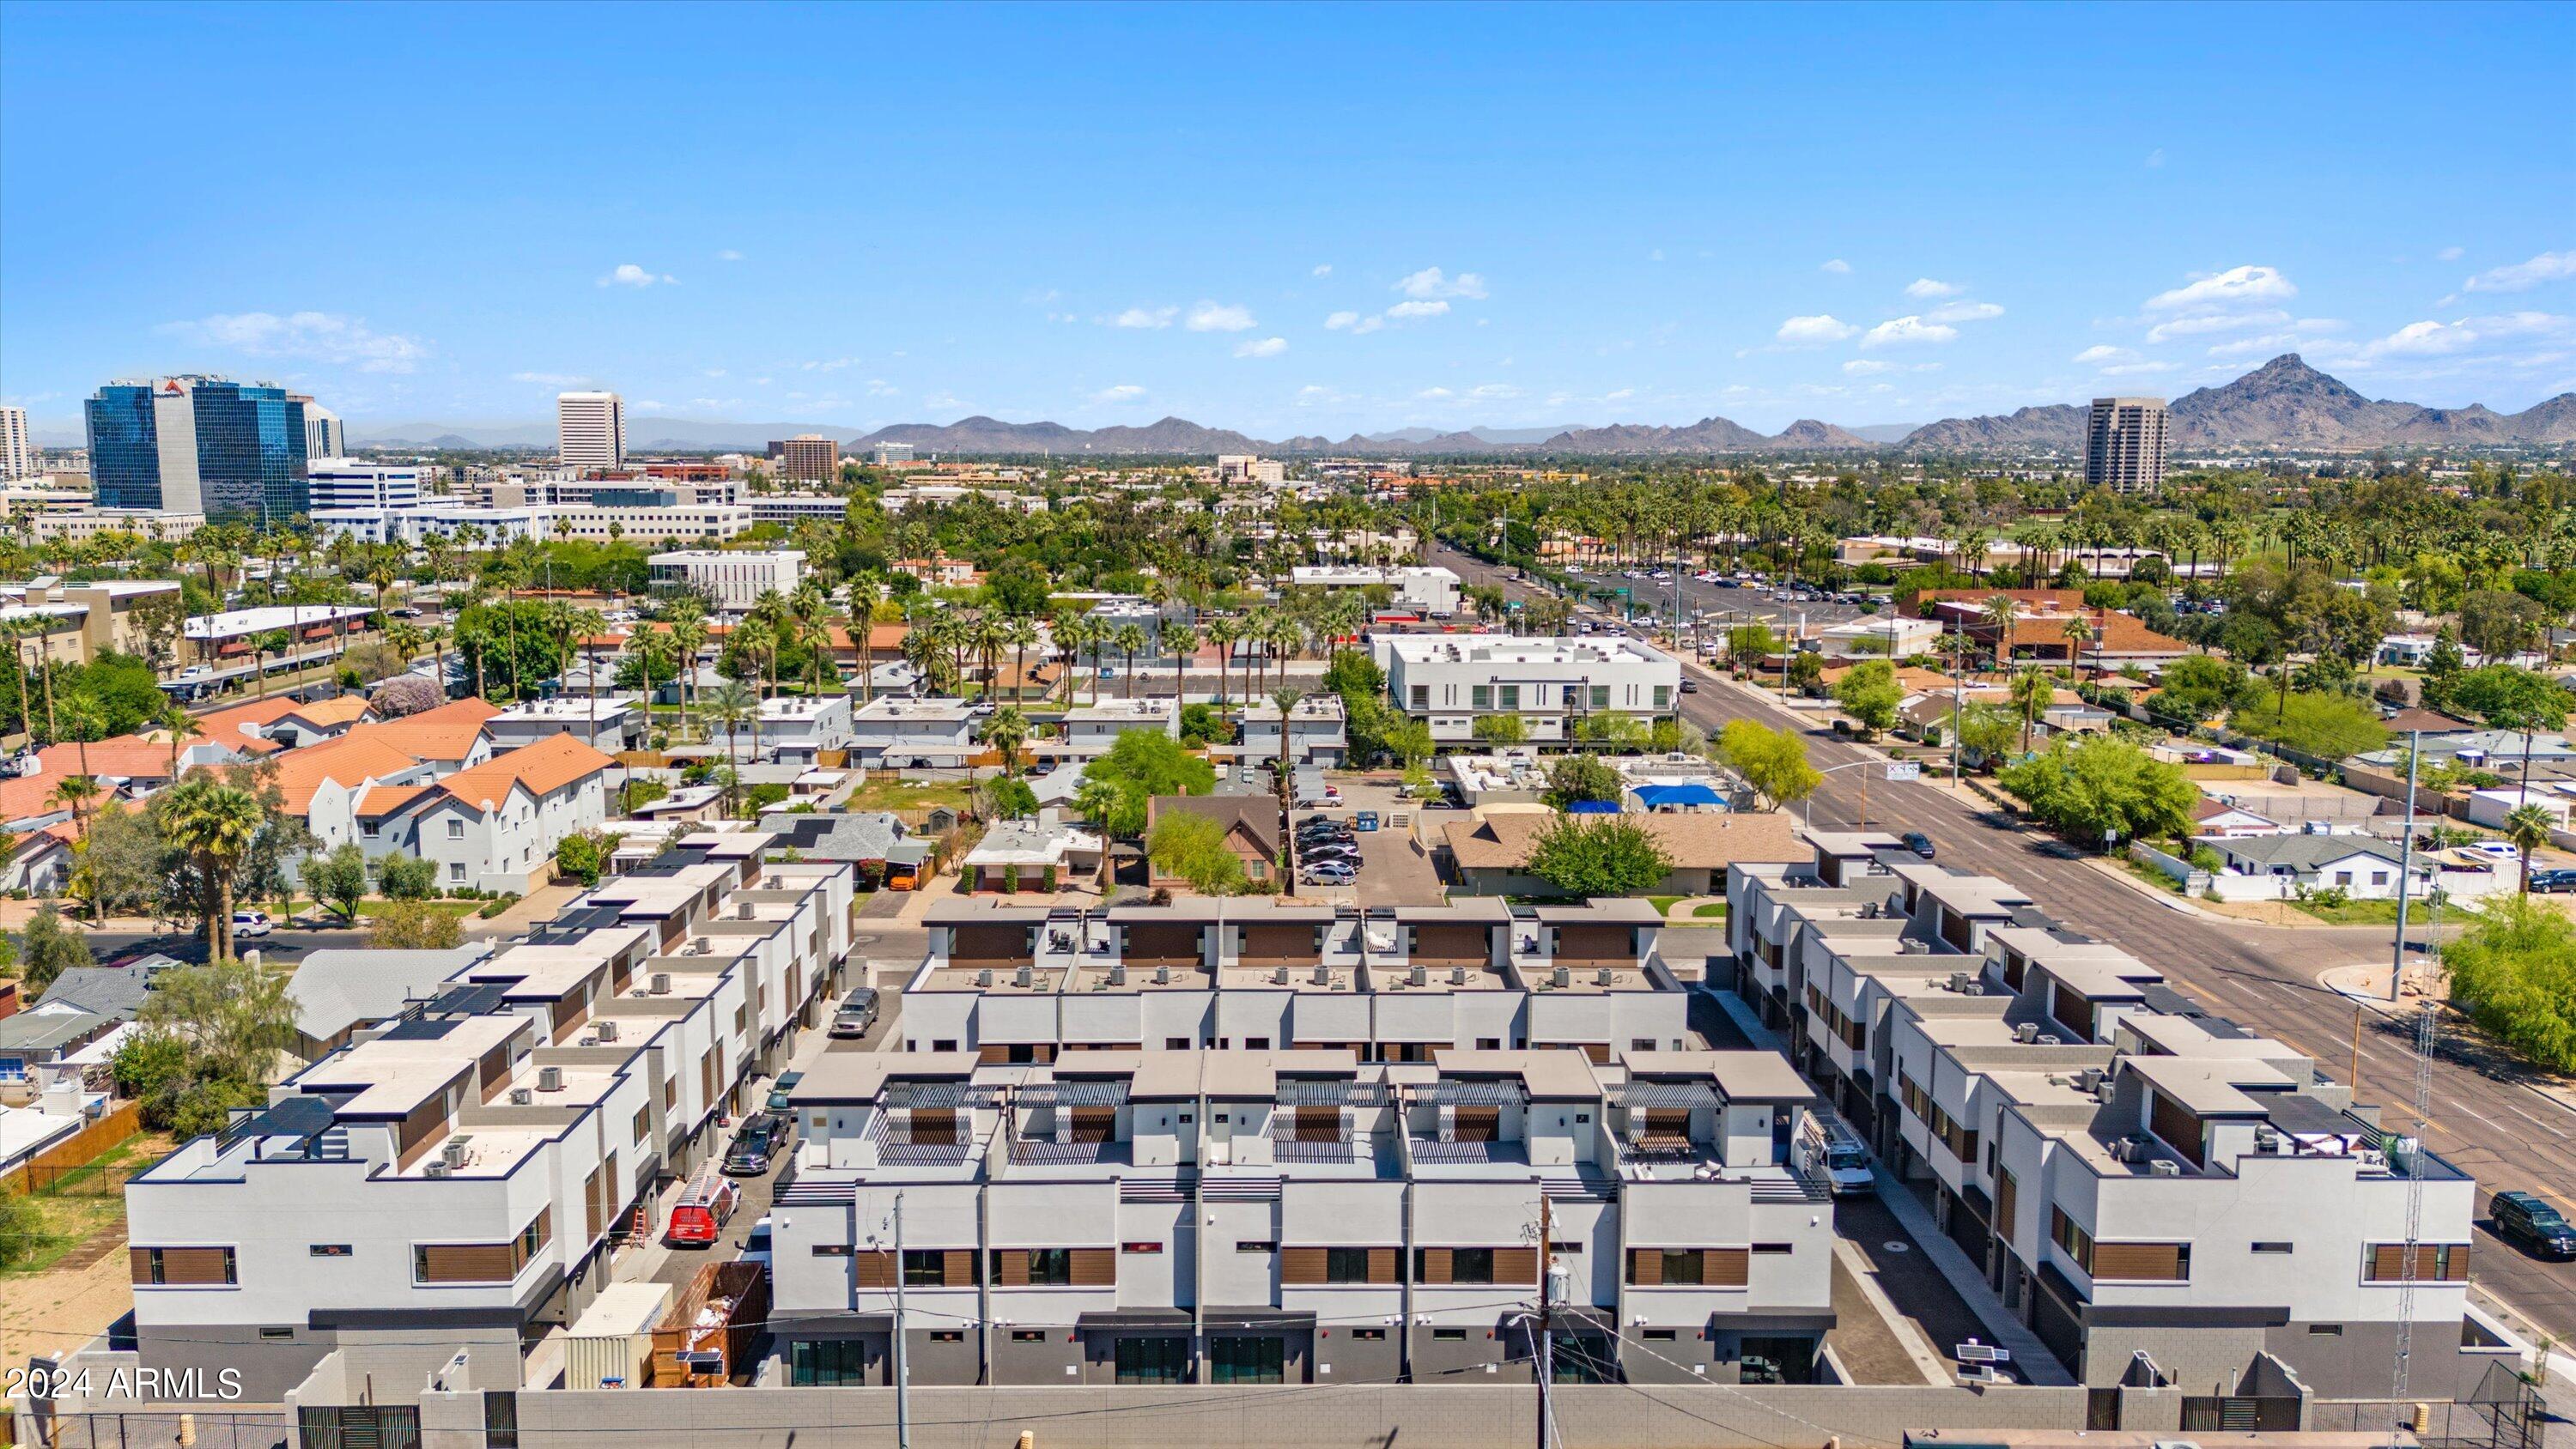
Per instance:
{"type": "Point", "coordinates": [1551, 686]}
{"type": "Point", "coordinates": [1428, 591]}
{"type": "Point", "coordinates": [897, 731]}
{"type": "Point", "coordinates": [734, 579]}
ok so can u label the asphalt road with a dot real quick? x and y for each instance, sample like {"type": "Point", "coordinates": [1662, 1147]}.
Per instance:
{"type": "Point", "coordinates": [284, 944]}
{"type": "Point", "coordinates": [1724, 604]}
{"type": "Point", "coordinates": [2484, 1120]}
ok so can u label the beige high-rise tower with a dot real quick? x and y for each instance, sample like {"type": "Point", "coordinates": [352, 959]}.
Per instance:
{"type": "Point", "coordinates": [2125, 441]}
{"type": "Point", "coordinates": [590, 430]}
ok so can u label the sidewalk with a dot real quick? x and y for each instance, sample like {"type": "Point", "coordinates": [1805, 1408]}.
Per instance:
{"type": "Point", "coordinates": [2036, 1364]}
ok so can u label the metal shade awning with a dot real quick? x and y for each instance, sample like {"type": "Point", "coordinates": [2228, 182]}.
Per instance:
{"type": "Point", "coordinates": [1667, 1094]}
{"type": "Point", "coordinates": [1072, 1094]}
{"type": "Point", "coordinates": [1333, 1093]}
{"type": "Point", "coordinates": [940, 1094]}
{"type": "Point", "coordinates": [1469, 1094]}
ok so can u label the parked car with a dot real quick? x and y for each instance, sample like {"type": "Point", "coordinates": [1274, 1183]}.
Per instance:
{"type": "Point", "coordinates": [705, 1205]}
{"type": "Point", "coordinates": [2531, 1222]}
{"type": "Point", "coordinates": [755, 1244]}
{"type": "Point", "coordinates": [858, 1012]}
{"type": "Point", "coordinates": [1691, 686]}
{"type": "Point", "coordinates": [762, 1141]}
{"type": "Point", "coordinates": [2553, 882]}
{"type": "Point", "coordinates": [779, 1089]}
{"type": "Point", "coordinates": [1331, 876]}
{"type": "Point", "coordinates": [251, 923]}
{"type": "Point", "coordinates": [1918, 842]}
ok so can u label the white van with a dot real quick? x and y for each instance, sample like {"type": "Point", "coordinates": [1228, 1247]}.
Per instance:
{"type": "Point", "coordinates": [1830, 1150]}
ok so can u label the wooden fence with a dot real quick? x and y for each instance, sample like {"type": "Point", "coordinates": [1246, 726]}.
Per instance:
{"type": "Point", "coordinates": [86, 1146]}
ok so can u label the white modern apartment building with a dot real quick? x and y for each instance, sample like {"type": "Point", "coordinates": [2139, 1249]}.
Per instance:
{"type": "Point", "coordinates": [1553, 685]}
{"type": "Point", "coordinates": [590, 430]}
{"type": "Point", "coordinates": [796, 729]}
{"type": "Point", "coordinates": [657, 519]}
{"type": "Point", "coordinates": [455, 1177]}
{"type": "Point", "coordinates": [1296, 1216]}
{"type": "Point", "coordinates": [1429, 591]}
{"type": "Point", "coordinates": [2161, 1196]}
{"type": "Point", "coordinates": [603, 722]}
{"type": "Point", "coordinates": [794, 508]}
{"type": "Point", "coordinates": [1398, 984]}
{"type": "Point", "coordinates": [341, 483]}
{"type": "Point", "coordinates": [17, 454]}
{"type": "Point", "coordinates": [894, 731]}
{"type": "Point", "coordinates": [493, 826]}
{"type": "Point", "coordinates": [734, 580]}
{"type": "Point", "coordinates": [1318, 731]}
{"type": "Point", "coordinates": [1093, 729]}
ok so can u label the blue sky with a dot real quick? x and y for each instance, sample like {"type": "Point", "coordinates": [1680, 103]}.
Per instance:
{"type": "Point", "coordinates": [1290, 221]}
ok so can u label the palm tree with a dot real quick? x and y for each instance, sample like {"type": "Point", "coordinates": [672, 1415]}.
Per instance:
{"type": "Point", "coordinates": [1019, 632]}
{"type": "Point", "coordinates": [2527, 828]}
{"type": "Point", "coordinates": [2079, 632]}
{"type": "Point", "coordinates": [84, 721]}
{"type": "Point", "coordinates": [811, 608]}
{"type": "Point", "coordinates": [1007, 731]}
{"type": "Point", "coordinates": [688, 636]}
{"type": "Point", "coordinates": [586, 625]}
{"type": "Point", "coordinates": [927, 656]}
{"type": "Point", "coordinates": [1999, 613]}
{"type": "Point", "coordinates": [1128, 640]}
{"type": "Point", "coordinates": [729, 706]}
{"type": "Point", "coordinates": [183, 727]}
{"type": "Point", "coordinates": [1065, 630]}
{"type": "Point", "coordinates": [74, 792]}
{"type": "Point", "coordinates": [2032, 694]}
{"type": "Point", "coordinates": [1183, 641]}
{"type": "Point", "coordinates": [1224, 632]}
{"type": "Point", "coordinates": [1287, 699]}
{"type": "Point", "coordinates": [215, 823]}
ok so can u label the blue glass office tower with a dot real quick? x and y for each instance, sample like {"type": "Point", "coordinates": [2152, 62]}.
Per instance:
{"type": "Point", "coordinates": [228, 450]}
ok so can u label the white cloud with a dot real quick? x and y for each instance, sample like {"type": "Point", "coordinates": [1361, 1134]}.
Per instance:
{"type": "Point", "coordinates": [1813, 331]}
{"type": "Point", "coordinates": [630, 275]}
{"type": "Point", "coordinates": [1837, 266]}
{"type": "Point", "coordinates": [1217, 317]}
{"type": "Point", "coordinates": [728, 255]}
{"type": "Point", "coordinates": [2451, 254]}
{"type": "Point", "coordinates": [1864, 367]}
{"type": "Point", "coordinates": [1406, 311]}
{"type": "Point", "coordinates": [2156, 158]}
{"type": "Point", "coordinates": [1315, 394]}
{"type": "Point", "coordinates": [2104, 353]}
{"type": "Point", "coordinates": [2443, 339]}
{"type": "Point", "coordinates": [2131, 369]}
{"type": "Point", "coordinates": [2523, 276]}
{"type": "Point", "coordinates": [1966, 312]}
{"type": "Point", "coordinates": [2235, 287]}
{"type": "Point", "coordinates": [1352, 322]}
{"type": "Point", "coordinates": [1434, 394]}
{"type": "Point", "coordinates": [879, 387]}
{"type": "Point", "coordinates": [1926, 287]}
{"type": "Point", "coordinates": [1656, 255]}
{"type": "Point", "coordinates": [1123, 392]}
{"type": "Point", "coordinates": [1325, 270]}
{"type": "Point", "coordinates": [1430, 283]}
{"type": "Point", "coordinates": [1266, 347]}
{"type": "Point", "coordinates": [1907, 329]}
{"type": "Point", "coordinates": [562, 379]}
{"type": "Point", "coordinates": [2195, 324]}
{"type": "Point", "coordinates": [1147, 317]}
{"type": "Point", "coordinates": [1494, 391]}
{"type": "Point", "coordinates": [312, 336]}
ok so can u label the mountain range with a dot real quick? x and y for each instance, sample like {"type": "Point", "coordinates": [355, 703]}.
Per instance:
{"type": "Point", "coordinates": [2283, 403]}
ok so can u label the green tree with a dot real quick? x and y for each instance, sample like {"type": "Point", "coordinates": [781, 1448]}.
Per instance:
{"type": "Point", "coordinates": [1140, 765]}
{"type": "Point", "coordinates": [1006, 731]}
{"type": "Point", "coordinates": [2103, 787]}
{"type": "Point", "coordinates": [1500, 729]}
{"type": "Point", "coordinates": [2527, 827]}
{"type": "Point", "coordinates": [1011, 798]}
{"type": "Point", "coordinates": [47, 949]}
{"type": "Point", "coordinates": [1773, 762]}
{"type": "Point", "coordinates": [216, 824]}
{"type": "Point", "coordinates": [2331, 726]}
{"type": "Point", "coordinates": [1868, 692]}
{"type": "Point", "coordinates": [405, 925]}
{"type": "Point", "coordinates": [2518, 701]}
{"type": "Point", "coordinates": [577, 858]}
{"type": "Point", "coordinates": [1194, 848]}
{"type": "Point", "coordinates": [2514, 972]}
{"type": "Point", "coordinates": [1576, 778]}
{"type": "Point", "coordinates": [406, 878]}
{"type": "Point", "coordinates": [1598, 855]}
{"type": "Point", "coordinates": [1986, 730]}
{"type": "Point", "coordinates": [337, 880]}
{"type": "Point", "coordinates": [2196, 686]}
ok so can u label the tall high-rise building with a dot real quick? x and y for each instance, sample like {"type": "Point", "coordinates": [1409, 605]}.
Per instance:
{"type": "Point", "coordinates": [807, 458]}
{"type": "Point", "coordinates": [324, 434]}
{"type": "Point", "coordinates": [2125, 441]}
{"type": "Point", "coordinates": [590, 430]}
{"type": "Point", "coordinates": [17, 458]}
{"type": "Point", "coordinates": [205, 445]}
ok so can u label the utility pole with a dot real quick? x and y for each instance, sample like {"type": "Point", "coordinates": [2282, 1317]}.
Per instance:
{"type": "Point", "coordinates": [902, 1368]}
{"type": "Point", "coordinates": [1543, 1351]}
{"type": "Point", "coordinates": [2406, 863]}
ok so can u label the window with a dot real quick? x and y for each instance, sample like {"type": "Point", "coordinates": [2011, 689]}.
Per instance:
{"type": "Point", "coordinates": [1369, 1335]}
{"type": "Point", "coordinates": [455, 829]}
{"type": "Point", "coordinates": [925, 1268]}
{"type": "Point", "coordinates": [1346, 1265]}
{"type": "Point", "coordinates": [1028, 1335]}
{"type": "Point", "coordinates": [947, 1335]}
{"type": "Point", "coordinates": [2326, 1330]}
{"type": "Point", "coordinates": [1157, 1360]}
{"type": "Point", "coordinates": [1248, 1360]}
{"type": "Point", "coordinates": [183, 1266]}
{"type": "Point", "coordinates": [2271, 1247]}
{"type": "Point", "coordinates": [2434, 1262]}
{"type": "Point", "coordinates": [1449, 1335]}
{"type": "Point", "coordinates": [1421, 697]}
{"type": "Point", "coordinates": [456, 872]}
{"type": "Point", "coordinates": [1600, 696]}
{"type": "Point", "coordinates": [1508, 695]}
{"type": "Point", "coordinates": [1176, 1043]}
{"type": "Point", "coordinates": [943, 1044]}
{"type": "Point", "coordinates": [1471, 1265]}
{"type": "Point", "coordinates": [1681, 1268]}
{"type": "Point", "coordinates": [643, 1124]}
{"type": "Point", "coordinates": [1773, 1248]}
{"type": "Point", "coordinates": [1663, 696]}
{"type": "Point", "coordinates": [1050, 1267]}
{"type": "Point", "coordinates": [1641, 1044]}
{"type": "Point", "coordinates": [1489, 1043]}
{"type": "Point", "coordinates": [1660, 1335]}
{"type": "Point", "coordinates": [1256, 1247]}
{"type": "Point", "coordinates": [1256, 1043]}
{"type": "Point", "coordinates": [2070, 1238]}
{"type": "Point", "coordinates": [328, 1250]}
{"type": "Point", "coordinates": [1147, 1247]}
{"type": "Point", "coordinates": [1481, 696]}
{"type": "Point", "coordinates": [371, 830]}
{"type": "Point", "coordinates": [277, 1335]}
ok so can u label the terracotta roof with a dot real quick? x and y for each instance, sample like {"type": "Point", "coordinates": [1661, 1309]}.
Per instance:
{"type": "Point", "coordinates": [343, 761]}
{"type": "Point", "coordinates": [1712, 841]}
{"type": "Point", "coordinates": [446, 733]}
{"type": "Point", "coordinates": [348, 709]}
{"type": "Point", "coordinates": [226, 724]}
{"type": "Point", "coordinates": [125, 757]}
{"type": "Point", "coordinates": [882, 638]}
{"type": "Point", "coordinates": [544, 767]}
{"type": "Point", "coordinates": [384, 800]}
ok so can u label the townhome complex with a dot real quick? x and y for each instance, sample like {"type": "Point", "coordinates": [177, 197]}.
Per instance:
{"type": "Point", "coordinates": [455, 1176]}
{"type": "Point", "coordinates": [1551, 685]}
{"type": "Point", "coordinates": [2162, 1196]}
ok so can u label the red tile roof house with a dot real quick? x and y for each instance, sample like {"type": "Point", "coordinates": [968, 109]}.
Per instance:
{"type": "Point", "coordinates": [493, 827]}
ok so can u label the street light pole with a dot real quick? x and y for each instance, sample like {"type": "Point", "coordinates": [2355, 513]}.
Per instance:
{"type": "Point", "coordinates": [2406, 863]}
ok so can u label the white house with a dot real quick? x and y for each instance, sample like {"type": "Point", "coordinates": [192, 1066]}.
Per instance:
{"type": "Point", "coordinates": [1317, 731]}
{"type": "Point", "coordinates": [893, 731]}
{"type": "Point", "coordinates": [1093, 729]}
{"type": "Point", "coordinates": [1553, 685]}
{"type": "Point", "coordinates": [495, 827]}
{"type": "Point", "coordinates": [603, 723]}
{"type": "Point", "coordinates": [1432, 591]}
{"type": "Point", "coordinates": [735, 580]}
{"type": "Point", "coordinates": [1886, 636]}
{"type": "Point", "coordinates": [793, 729]}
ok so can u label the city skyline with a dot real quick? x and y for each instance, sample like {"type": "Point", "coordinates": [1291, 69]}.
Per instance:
{"type": "Point", "coordinates": [1689, 217]}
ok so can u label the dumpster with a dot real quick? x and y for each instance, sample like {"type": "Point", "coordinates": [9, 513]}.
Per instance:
{"type": "Point", "coordinates": [706, 1340]}
{"type": "Point", "coordinates": [611, 1345]}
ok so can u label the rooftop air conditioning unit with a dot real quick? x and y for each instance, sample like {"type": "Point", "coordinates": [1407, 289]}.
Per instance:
{"type": "Point", "coordinates": [2047, 1040]}
{"type": "Point", "coordinates": [661, 983]}
{"type": "Point", "coordinates": [549, 1079]}
{"type": "Point", "coordinates": [1162, 975]}
{"type": "Point", "coordinates": [2103, 1090]}
{"type": "Point", "coordinates": [2026, 1033]}
{"type": "Point", "coordinates": [1604, 976]}
{"type": "Point", "coordinates": [1457, 975]}
{"type": "Point", "coordinates": [435, 1170]}
{"type": "Point", "coordinates": [1959, 980]}
{"type": "Point", "coordinates": [743, 911]}
{"type": "Point", "coordinates": [1025, 977]}
{"type": "Point", "coordinates": [1279, 975]}
{"type": "Point", "coordinates": [1560, 977]}
{"type": "Point", "coordinates": [1323, 976]}
{"type": "Point", "coordinates": [453, 1152]}
{"type": "Point", "coordinates": [701, 946]}
{"type": "Point", "coordinates": [984, 977]}
{"type": "Point", "coordinates": [2163, 1168]}
{"type": "Point", "coordinates": [607, 1031]}
{"type": "Point", "coordinates": [1118, 975]}
{"type": "Point", "coordinates": [2266, 1140]}
{"type": "Point", "coordinates": [1419, 976]}
{"type": "Point", "coordinates": [521, 1096]}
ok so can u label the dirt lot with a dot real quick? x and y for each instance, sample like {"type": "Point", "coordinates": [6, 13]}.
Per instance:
{"type": "Point", "coordinates": [78, 1282]}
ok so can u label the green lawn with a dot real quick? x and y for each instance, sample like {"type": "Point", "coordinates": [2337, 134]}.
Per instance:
{"type": "Point", "coordinates": [2363, 913]}
{"type": "Point", "coordinates": [453, 908]}
{"type": "Point", "coordinates": [1710, 911]}
{"type": "Point", "coordinates": [1664, 904]}
{"type": "Point", "coordinates": [85, 1203]}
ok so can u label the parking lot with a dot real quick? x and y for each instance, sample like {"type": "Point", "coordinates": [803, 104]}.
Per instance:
{"type": "Point", "coordinates": [1392, 870]}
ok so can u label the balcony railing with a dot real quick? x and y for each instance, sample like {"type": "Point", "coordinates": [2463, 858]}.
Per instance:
{"type": "Point", "coordinates": [924, 1154]}
{"type": "Point", "coordinates": [1285, 1147]}
{"type": "Point", "coordinates": [1047, 1152]}
{"type": "Point", "coordinates": [1436, 1150]}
